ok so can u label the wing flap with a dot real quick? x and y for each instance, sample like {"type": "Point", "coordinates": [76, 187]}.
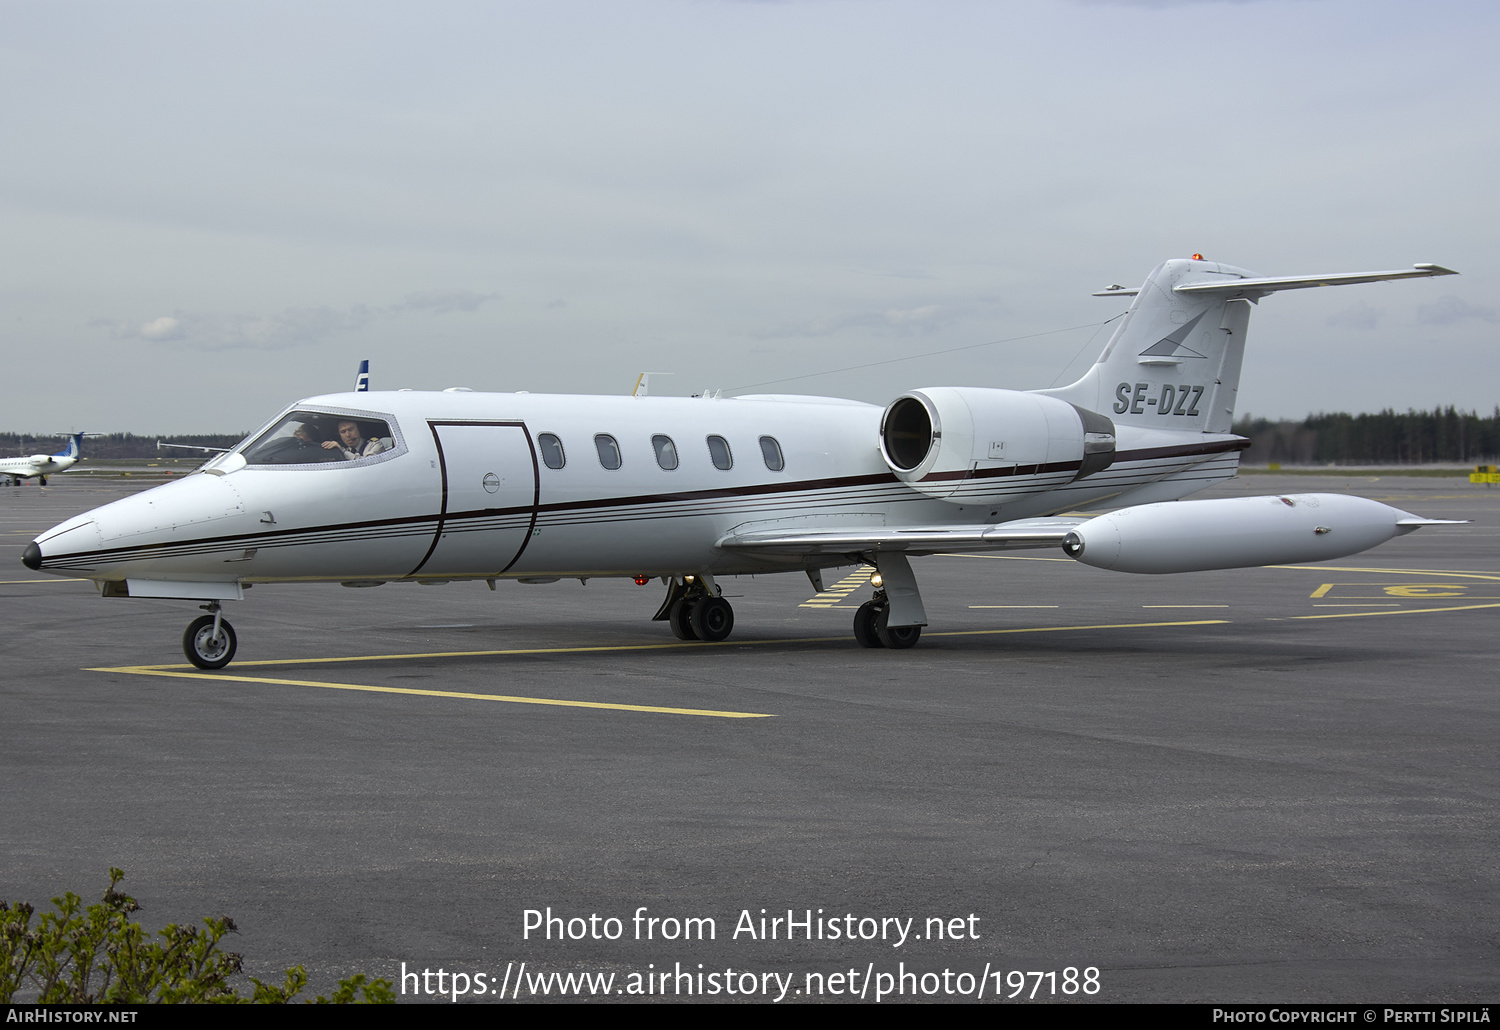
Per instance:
{"type": "Point", "coordinates": [914, 540]}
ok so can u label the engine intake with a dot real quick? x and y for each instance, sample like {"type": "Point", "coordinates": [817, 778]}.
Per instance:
{"type": "Point", "coordinates": [971, 445]}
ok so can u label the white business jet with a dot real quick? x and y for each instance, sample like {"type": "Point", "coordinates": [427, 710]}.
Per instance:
{"type": "Point", "coordinates": [40, 466]}
{"type": "Point", "coordinates": [367, 488]}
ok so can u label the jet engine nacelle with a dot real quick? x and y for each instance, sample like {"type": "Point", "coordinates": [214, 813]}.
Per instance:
{"type": "Point", "coordinates": [1233, 533]}
{"type": "Point", "coordinates": [981, 446]}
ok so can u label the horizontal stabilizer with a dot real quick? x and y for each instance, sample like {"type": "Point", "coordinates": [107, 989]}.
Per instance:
{"type": "Point", "coordinates": [1253, 288]}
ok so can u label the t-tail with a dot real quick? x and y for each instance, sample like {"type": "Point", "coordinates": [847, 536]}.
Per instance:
{"type": "Point", "coordinates": [362, 378]}
{"type": "Point", "coordinates": [74, 448]}
{"type": "Point", "coordinates": [1174, 361]}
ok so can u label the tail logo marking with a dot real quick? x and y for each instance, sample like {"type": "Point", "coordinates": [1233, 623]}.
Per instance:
{"type": "Point", "coordinates": [1171, 346]}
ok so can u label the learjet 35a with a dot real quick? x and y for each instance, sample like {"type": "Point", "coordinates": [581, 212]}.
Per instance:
{"type": "Point", "coordinates": [367, 488]}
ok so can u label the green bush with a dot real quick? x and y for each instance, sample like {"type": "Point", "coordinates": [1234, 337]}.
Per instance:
{"type": "Point", "coordinates": [82, 956]}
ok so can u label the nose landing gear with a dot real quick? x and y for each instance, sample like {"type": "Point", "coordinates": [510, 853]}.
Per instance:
{"type": "Point", "coordinates": [209, 641]}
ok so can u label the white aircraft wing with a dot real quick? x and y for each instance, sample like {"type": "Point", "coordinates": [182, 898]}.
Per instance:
{"type": "Point", "coordinates": [1260, 286]}
{"type": "Point", "coordinates": [914, 540]}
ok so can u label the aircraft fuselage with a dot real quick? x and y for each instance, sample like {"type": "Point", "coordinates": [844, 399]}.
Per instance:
{"type": "Point", "coordinates": [466, 492]}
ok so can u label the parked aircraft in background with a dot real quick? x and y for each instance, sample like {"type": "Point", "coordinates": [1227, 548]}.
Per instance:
{"type": "Point", "coordinates": [433, 487]}
{"type": "Point", "coordinates": [40, 466]}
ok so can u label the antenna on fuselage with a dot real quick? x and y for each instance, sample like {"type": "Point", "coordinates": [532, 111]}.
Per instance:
{"type": "Point", "coordinates": [643, 382]}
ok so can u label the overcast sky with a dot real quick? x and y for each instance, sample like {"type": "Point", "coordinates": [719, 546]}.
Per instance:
{"type": "Point", "coordinates": [211, 209]}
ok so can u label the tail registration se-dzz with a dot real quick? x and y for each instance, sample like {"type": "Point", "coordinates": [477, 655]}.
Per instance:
{"type": "Point", "coordinates": [366, 488]}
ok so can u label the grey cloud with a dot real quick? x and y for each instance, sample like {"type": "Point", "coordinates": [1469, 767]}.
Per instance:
{"type": "Point", "coordinates": [293, 327]}
{"type": "Point", "coordinates": [442, 302]}
{"type": "Point", "coordinates": [1450, 309]}
{"type": "Point", "coordinates": [1357, 316]}
{"type": "Point", "coordinates": [926, 318]}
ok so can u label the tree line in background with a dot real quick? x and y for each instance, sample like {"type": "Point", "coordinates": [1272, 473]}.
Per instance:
{"type": "Point", "coordinates": [1385, 438]}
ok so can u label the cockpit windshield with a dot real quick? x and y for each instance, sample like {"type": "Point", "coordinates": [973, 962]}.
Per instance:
{"type": "Point", "coordinates": [320, 437]}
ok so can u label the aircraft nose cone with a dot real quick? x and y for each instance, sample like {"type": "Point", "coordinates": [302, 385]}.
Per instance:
{"type": "Point", "coordinates": [32, 556]}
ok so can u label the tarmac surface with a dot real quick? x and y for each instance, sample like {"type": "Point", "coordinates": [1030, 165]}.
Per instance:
{"type": "Point", "coordinates": [1263, 785]}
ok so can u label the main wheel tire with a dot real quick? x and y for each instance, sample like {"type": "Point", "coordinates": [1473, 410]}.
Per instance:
{"type": "Point", "coordinates": [680, 618]}
{"type": "Point", "coordinates": [897, 638]}
{"type": "Point", "coordinates": [713, 619]}
{"type": "Point", "coordinates": [202, 649]}
{"type": "Point", "coordinates": [864, 625]}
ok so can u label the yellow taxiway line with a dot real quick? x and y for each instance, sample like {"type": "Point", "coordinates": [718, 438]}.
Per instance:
{"type": "Point", "coordinates": [1401, 611]}
{"type": "Point", "coordinates": [147, 670]}
{"type": "Point", "coordinates": [189, 673]}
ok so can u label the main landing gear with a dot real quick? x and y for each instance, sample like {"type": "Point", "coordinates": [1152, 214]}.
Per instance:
{"type": "Point", "coordinates": [871, 629]}
{"type": "Point", "coordinates": [894, 617]}
{"type": "Point", "coordinates": [209, 642]}
{"type": "Point", "coordinates": [695, 611]}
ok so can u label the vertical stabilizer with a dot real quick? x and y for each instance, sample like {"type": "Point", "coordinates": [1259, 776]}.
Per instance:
{"type": "Point", "coordinates": [1174, 361]}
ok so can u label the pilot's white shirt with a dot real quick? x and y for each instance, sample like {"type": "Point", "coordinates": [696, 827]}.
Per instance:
{"type": "Point", "coordinates": [370, 447]}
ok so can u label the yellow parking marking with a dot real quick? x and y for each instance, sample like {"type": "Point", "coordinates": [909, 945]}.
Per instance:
{"type": "Point", "coordinates": [835, 595]}
{"type": "Point", "coordinates": [146, 670]}
{"type": "Point", "coordinates": [1444, 573]}
{"type": "Point", "coordinates": [1428, 590]}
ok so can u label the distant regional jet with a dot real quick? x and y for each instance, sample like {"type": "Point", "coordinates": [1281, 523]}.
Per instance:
{"type": "Point", "coordinates": [366, 488]}
{"type": "Point", "coordinates": [40, 466]}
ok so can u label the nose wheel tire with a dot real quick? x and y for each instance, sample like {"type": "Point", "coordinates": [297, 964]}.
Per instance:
{"type": "Point", "coordinates": [712, 619]}
{"type": "Point", "coordinates": [202, 649]}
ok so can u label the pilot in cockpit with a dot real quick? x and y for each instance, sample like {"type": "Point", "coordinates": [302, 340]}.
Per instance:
{"type": "Point", "coordinates": [351, 443]}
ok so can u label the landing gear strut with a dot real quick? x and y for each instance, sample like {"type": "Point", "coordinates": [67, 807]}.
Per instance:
{"type": "Point", "coordinates": [209, 642]}
{"type": "Point", "coordinates": [695, 611]}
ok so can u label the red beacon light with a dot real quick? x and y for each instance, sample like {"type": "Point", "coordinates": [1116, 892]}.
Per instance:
{"type": "Point", "coordinates": [1197, 257]}
{"type": "Point", "coordinates": [641, 581]}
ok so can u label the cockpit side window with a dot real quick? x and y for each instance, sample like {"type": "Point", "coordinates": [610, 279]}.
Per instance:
{"type": "Point", "coordinates": [321, 438]}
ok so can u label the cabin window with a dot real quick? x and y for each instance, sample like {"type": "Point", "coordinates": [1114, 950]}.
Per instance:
{"type": "Point", "coordinates": [771, 451]}
{"type": "Point", "coordinates": [609, 451]}
{"type": "Point", "coordinates": [666, 452]}
{"type": "Point", "coordinates": [320, 438]}
{"type": "Point", "coordinates": [718, 449]}
{"type": "Point", "coordinates": [552, 451]}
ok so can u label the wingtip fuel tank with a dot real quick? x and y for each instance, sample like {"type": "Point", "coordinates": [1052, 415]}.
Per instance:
{"type": "Point", "coordinates": [1236, 532]}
